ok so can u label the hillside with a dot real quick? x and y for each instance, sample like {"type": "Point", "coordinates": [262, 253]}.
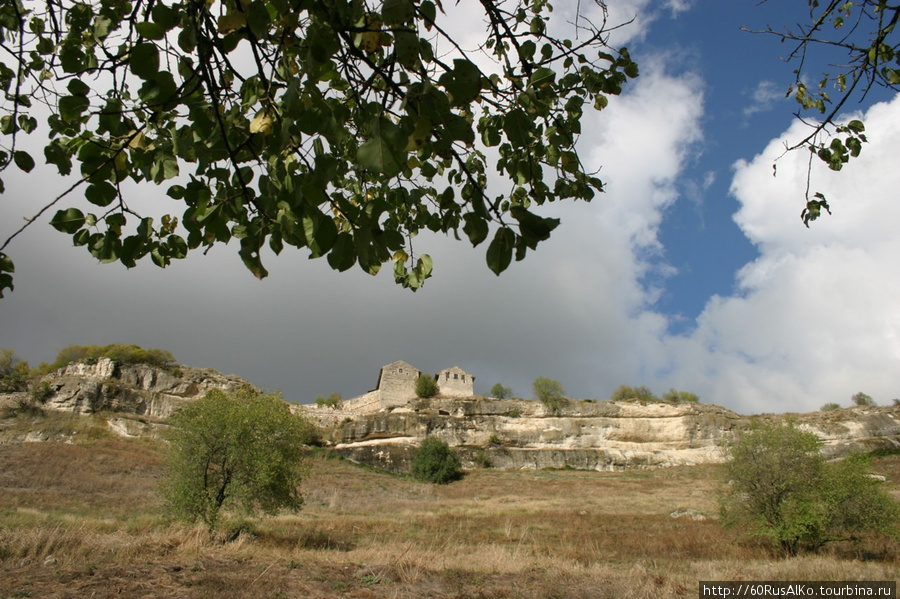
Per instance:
{"type": "Point", "coordinates": [508, 434]}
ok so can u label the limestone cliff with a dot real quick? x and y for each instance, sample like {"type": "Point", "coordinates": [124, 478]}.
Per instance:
{"type": "Point", "coordinates": [604, 435]}
{"type": "Point", "coordinates": [141, 389]}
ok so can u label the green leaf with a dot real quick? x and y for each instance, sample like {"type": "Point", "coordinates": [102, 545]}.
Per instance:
{"type": "Point", "coordinates": [23, 160]}
{"type": "Point", "coordinates": [72, 107]}
{"type": "Point", "coordinates": [101, 193]}
{"type": "Point", "coordinates": [533, 228]}
{"type": "Point", "coordinates": [383, 152]}
{"type": "Point", "coordinates": [150, 30]}
{"type": "Point", "coordinates": [321, 233]}
{"type": "Point", "coordinates": [463, 82]}
{"type": "Point", "coordinates": [143, 60]}
{"type": "Point", "coordinates": [397, 12]}
{"type": "Point", "coordinates": [499, 252]}
{"type": "Point", "coordinates": [428, 12]}
{"type": "Point", "coordinates": [475, 227]}
{"type": "Point", "coordinates": [68, 221]}
{"type": "Point", "coordinates": [343, 255]}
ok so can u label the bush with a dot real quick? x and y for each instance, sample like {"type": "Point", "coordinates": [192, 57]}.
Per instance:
{"type": "Point", "coordinates": [426, 386]}
{"type": "Point", "coordinates": [334, 400]}
{"type": "Point", "coordinates": [435, 462]}
{"type": "Point", "coordinates": [41, 393]}
{"type": "Point", "coordinates": [240, 449]}
{"type": "Point", "coordinates": [861, 399]}
{"type": "Point", "coordinates": [675, 396]}
{"type": "Point", "coordinates": [642, 393]}
{"type": "Point", "coordinates": [14, 372]}
{"type": "Point", "coordinates": [121, 354]}
{"type": "Point", "coordinates": [549, 392]}
{"type": "Point", "coordinates": [782, 490]}
{"type": "Point", "coordinates": [830, 407]}
{"type": "Point", "coordinates": [498, 391]}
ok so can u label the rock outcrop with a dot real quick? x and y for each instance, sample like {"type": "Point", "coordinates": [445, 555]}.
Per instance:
{"type": "Point", "coordinates": [596, 435]}
{"type": "Point", "coordinates": [141, 389]}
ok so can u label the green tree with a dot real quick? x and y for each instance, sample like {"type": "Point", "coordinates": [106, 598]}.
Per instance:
{"type": "Point", "coordinates": [435, 462]}
{"type": "Point", "coordinates": [625, 392]}
{"type": "Point", "coordinates": [780, 488]}
{"type": "Point", "coordinates": [549, 392]}
{"type": "Point", "coordinates": [498, 391]}
{"type": "Point", "coordinates": [334, 400]}
{"type": "Point", "coordinates": [830, 407]}
{"type": "Point", "coordinates": [242, 450]}
{"type": "Point", "coordinates": [426, 386]}
{"type": "Point", "coordinates": [862, 399]}
{"type": "Point", "coordinates": [14, 372]}
{"type": "Point", "coordinates": [860, 44]}
{"type": "Point", "coordinates": [675, 396]}
{"type": "Point", "coordinates": [343, 127]}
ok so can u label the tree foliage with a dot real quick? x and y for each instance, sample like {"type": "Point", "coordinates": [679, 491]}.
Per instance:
{"type": "Point", "coordinates": [830, 407]}
{"type": "Point", "coordinates": [676, 396]}
{"type": "Point", "coordinates": [781, 489]}
{"type": "Point", "coordinates": [550, 393]}
{"type": "Point", "coordinates": [498, 391]}
{"type": "Point", "coordinates": [626, 392]}
{"type": "Point", "coordinates": [334, 400]}
{"type": "Point", "coordinates": [241, 450]}
{"type": "Point", "coordinates": [862, 399]}
{"type": "Point", "coordinates": [860, 42]}
{"type": "Point", "coordinates": [14, 372]}
{"type": "Point", "coordinates": [343, 127]}
{"type": "Point", "coordinates": [118, 352]}
{"type": "Point", "coordinates": [426, 386]}
{"type": "Point", "coordinates": [435, 462]}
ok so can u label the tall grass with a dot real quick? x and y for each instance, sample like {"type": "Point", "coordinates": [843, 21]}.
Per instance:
{"type": "Point", "coordinates": [85, 520]}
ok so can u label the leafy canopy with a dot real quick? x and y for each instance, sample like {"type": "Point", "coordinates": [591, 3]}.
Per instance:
{"type": "Point", "coordinates": [342, 127]}
{"type": "Point", "coordinates": [241, 450]}
{"type": "Point", "coordinates": [782, 490]}
{"type": "Point", "coordinates": [426, 386]}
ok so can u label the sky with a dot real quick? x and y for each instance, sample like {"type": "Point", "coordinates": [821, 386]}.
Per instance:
{"type": "Point", "coordinates": [692, 271]}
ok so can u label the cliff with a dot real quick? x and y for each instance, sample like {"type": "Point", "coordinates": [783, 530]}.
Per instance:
{"type": "Point", "coordinates": [596, 435]}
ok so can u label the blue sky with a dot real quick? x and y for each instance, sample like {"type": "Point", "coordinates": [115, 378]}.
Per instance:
{"type": "Point", "coordinates": [692, 271]}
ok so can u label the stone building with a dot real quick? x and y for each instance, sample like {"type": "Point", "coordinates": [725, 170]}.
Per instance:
{"type": "Point", "coordinates": [455, 382]}
{"type": "Point", "coordinates": [397, 386]}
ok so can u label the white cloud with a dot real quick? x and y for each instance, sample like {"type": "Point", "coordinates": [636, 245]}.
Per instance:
{"type": "Point", "coordinates": [764, 97]}
{"type": "Point", "coordinates": [816, 317]}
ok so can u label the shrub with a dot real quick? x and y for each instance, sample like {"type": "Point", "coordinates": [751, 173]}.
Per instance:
{"type": "Point", "coordinates": [122, 354]}
{"type": "Point", "coordinates": [642, 393]}
{"type": "Point", "coordinates": [498, 391]}
{"type": "Point", "coordinates": [675, 396]}
{"type": "Point", "coordinates": [861, 399]}
{"type": "Point", "coordinates": [14, 372]}
{"type": "Point", "coordinates": [240, 449]}
{"type": "Point", "coordinates": [782, 490]}
{"type": "Point", "coordinates": [41, 393]}
{"type": "Point", "coordinates": [334, 400]}
{"type": "Point", "coordinates": [435, 462]}
{"type": "Point", "coordinates": [426, 386]}
{"type": "Point", "coordinates": [830, 407]}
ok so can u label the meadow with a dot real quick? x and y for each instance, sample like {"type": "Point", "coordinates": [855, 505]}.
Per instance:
{"type": "Point", "coordinates": [84, 519]}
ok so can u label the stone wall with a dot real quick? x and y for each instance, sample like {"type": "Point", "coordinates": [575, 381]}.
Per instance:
{"type": "Point", "coordinates": [397, 384]}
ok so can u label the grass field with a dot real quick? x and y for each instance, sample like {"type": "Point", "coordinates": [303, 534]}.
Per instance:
{"type": "Point", "coordinates": [84, 520]}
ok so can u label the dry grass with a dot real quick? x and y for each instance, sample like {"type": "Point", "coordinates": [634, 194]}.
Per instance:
{"type": "Point", "coordinates": [83, 521]}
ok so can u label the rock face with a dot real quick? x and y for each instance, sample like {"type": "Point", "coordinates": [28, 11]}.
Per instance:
{"type": "Point", "coordinates": [606, 435]}
{"type": "Point", "coordinates": [134, 388]}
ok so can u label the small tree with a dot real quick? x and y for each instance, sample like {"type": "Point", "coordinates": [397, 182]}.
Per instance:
{"type": "Point", "coordinates": [426, 386]}
{"type": "Point", "coordinates": [334, 400]}
{"type": "Point", "coordinates": [498, 391]}
{"type": "Point", "coordinates": [239, 449]}
{"type": "Point", "coordinates": [549, 392]}
{"type": "Point", "coordinates": [14, 372]}
{"type": "Point", "coordinates": [830, 407]}
{"type": "Point", "coordinates": [625, 392]}
{"type": "Point", "coordinates": [862, 399]}
{"type": "Point", "coordinates": [780, 488]}
{"type": "Point", "coordinates": [435, 462]}
{"type": "Point", "coordinates": [675, 396]}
